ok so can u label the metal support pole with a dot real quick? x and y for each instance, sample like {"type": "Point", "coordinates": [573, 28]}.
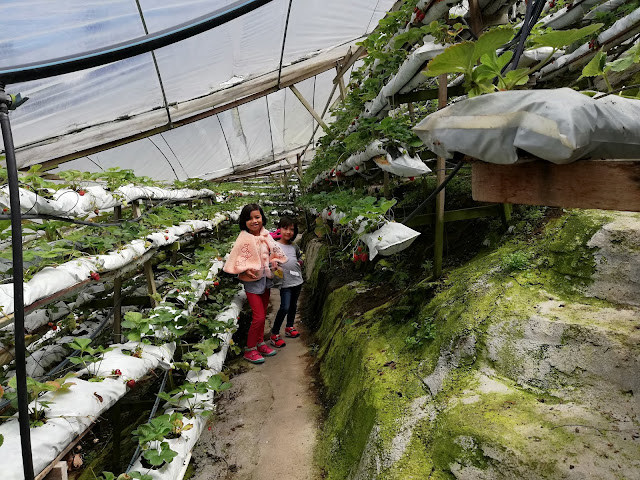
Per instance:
{"type": "Point", "coordinates": [440, 174]}
{"type": "Point", "coordinates": [386, 185]}
{"type": "Point", "coordinates": [18, 285]}
{"type": "Point", "coordinates": [117, 212]}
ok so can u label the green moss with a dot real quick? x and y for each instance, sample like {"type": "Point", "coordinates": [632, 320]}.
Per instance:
{"type": "Point", "coordinates": [370, 398]}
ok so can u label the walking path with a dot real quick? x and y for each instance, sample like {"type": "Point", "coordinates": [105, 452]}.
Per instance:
{"type": "Point", "coordinates": [266, 423]}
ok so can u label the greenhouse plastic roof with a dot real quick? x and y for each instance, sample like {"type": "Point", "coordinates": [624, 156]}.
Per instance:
{"type": "Point", "coordinates": [102, 106]}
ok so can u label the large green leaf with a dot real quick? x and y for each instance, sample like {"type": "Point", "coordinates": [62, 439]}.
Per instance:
{"type": "Point", "coordinates": [559, 38]}
{"type": "Point", "coordinates": [595, 67]}
{"type": "Point", "coordinates": [491, 41]}
{"type": "Point", "coordinates": [631, 57]}
{"type": "Point", "coordinates": [455, 59]}
{"type": "Point", "coordinates": [461, 58]}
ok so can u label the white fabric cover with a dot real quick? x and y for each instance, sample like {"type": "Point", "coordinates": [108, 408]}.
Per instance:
{"type": "Point", "coordinates": [404, 166]}
{"type": "Point", "coordinates": [559, 125]}
{"type": "Point", "coordinates": [391, 238]}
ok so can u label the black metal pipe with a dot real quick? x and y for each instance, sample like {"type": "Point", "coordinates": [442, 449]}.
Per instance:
{"type": "Point", "coordinates": [420, 207]}
{"type": "Point", "coordinates": [129, 48]}
{"type": "Point", "coordinates": [18, 286]}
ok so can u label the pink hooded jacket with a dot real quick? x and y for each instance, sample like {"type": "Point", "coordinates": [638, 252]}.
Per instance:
{"type": "Point", "coordinates": [255, 252]}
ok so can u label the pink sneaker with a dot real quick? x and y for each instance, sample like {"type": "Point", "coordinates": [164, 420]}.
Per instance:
{"type": "Point", "coordinates": [266, 350]}
{"type": "Point", "coordinates": [291, 332]}
{"type": "Point", "coordinates": [253, 356]}
{"type": "Point", "coordinates": [277, 342]}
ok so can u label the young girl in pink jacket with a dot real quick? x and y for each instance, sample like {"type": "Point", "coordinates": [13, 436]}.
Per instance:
{"type": "Point", "coordinates": [253, 257]}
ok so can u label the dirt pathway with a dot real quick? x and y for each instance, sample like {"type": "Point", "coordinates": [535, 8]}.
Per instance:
{"type": "Point", "coordinates": [266, 423]}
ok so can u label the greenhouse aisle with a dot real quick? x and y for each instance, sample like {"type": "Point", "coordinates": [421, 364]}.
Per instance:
{"type": "Point", "coordinates": [266, 423]}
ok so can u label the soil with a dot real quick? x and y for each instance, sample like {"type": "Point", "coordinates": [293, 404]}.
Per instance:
{"type": "Point", "coordinates": [266, 423]}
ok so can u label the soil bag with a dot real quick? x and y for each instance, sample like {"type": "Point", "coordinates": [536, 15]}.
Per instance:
{"type": "Point", "coordinates": [559, 125]}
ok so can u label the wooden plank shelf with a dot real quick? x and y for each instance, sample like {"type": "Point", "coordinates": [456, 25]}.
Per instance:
{"type": "Point", "coordinates": [599, 184]}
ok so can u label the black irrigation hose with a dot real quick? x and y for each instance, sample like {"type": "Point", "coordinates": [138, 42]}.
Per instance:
{"type": "Point", "coordinates": [435, 192]}
{"type": "Point", "coordinates": [533, 12]}
{"type": "Point", "coordinates": [18, 286]}
{"type": "Point", "coordinates": [153, 413]}
{"type": "Point", "coordinates": [129, 48]}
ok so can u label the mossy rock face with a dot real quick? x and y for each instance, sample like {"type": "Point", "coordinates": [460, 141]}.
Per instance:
{"type": "Point", "coordinates": [508, 371]}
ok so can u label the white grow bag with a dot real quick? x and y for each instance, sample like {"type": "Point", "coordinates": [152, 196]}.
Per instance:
{"type": "Point", "coordinates": [560, 126]}
{"type": "Point", "coordinates": [391, 238]}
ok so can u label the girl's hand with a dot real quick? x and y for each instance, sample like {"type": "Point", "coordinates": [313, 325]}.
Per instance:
{"type": "Point", "coordinates": [275, 264]}
{"type": "Point", "coordinates": [252, 273]}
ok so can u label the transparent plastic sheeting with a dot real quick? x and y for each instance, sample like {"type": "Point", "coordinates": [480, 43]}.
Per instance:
{"type": "Point", "coordinates": [260, 131]}
{"type": "Point", "coordinates": [88, 103]}
{"type": "Point", "coordinates": [559, 125]}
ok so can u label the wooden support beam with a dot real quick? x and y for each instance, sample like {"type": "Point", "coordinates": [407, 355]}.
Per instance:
{"type": "Point", "coordinates": [299, 160]}
{"type": "Point", "coordinates": [117, 310]}
{"type": "Point", "coordinates": [151, 283]}
{"type": "Point", "coordinates": [343, 89]}
{"type": "Point", "coordinates": [135, 206]}
{"type": "Point", "coordinates": [386, 185]}
{"type": "Point", "coordinates": [440, 198]}
{"type": "Point", "coordinates": [58, 472]}
{"type": "Point", "coordinates": [117, 212]}
{"type": "Point", "coordinates": [602, 184]}
{"type": "Point", "coordinates": [457, 215]}
{"type": "Point", "coordinates": [475, 19]}
{"type": "Point", "coordinates": [309, 108]}
{"type": "Point", "coordinates": [412, 113]}
{"type": "Point", "coordinates": [422, 95]}
{"type": "Point", "coordinates": [355, 56]}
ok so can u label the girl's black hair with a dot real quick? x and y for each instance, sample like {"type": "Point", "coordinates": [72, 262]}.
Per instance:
{"type": "Point", "coordinates": [287, 222]}
{"type": "Point", "coordinates": [245, 216]}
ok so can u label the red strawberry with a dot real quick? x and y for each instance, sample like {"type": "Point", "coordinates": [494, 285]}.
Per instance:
{"type": "Point", "coordinates": [131, 383]}
{"type": "Point", "coordinates": [5, 209]}
{"type": "Point", "coordinates": [335, 230]}
{"type": "Point", "coordinates": [206, 292]}
{"type": "Point", "coordinates": [95, 276]}
{"type": "Point", "coordinates": [96, 211]}
{"type": "Point", "coordinates": [328, 213]}
{"type": "Point", "coordinates": [411, 179]}
{"type": "Point", "coordinates": [81, 193]}
{"type": "Point", "coordinates": [166, 237]}
{"type": "Point", "coordinates": [116, 372]}
{"type": "Point", "coordinates": [216, 283]}
{"type": "Point", "coordinates": [364, 257]}
{"type": "Point", "coordinates": [54, 328]}
{"type": "Point", "coordinates": [50, 324]}
{"type": "Point", "coordinates": [357, 167]}
{"type": "Point", "coordinates": [356, 257]}
{"type": "Point", "coordinates": [178, 290]}
{"type": "Point", "coordinates": [353, 123]}
{"type": "Point", "coordinates": [359, 248]}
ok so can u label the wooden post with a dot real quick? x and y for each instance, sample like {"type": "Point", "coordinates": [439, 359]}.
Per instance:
{"type": "Point", "coordinates": [343, 90]}
{"type": "Point", "coordinates": [117, 212]}
{"type": "Point", "coordinates": [135, 205]}
{"type": "Point", "coordinates": [300, 168]}
{"type": "Point", "coordinates": [309, 108]}
{"type": "Point", "coordinates": [117, 310]}
{"type": "Point", "coordinates": [386, 185]}
{"type": "Point", "coordinates": [476, 17]}
{"type": "Point", "coordinates": [412, 113]}
{"type": "Point", "coordinates": [151, 283]}
{"type": "Point", "coordinates": [440, 175]}
{"type": "Point", "coordinates": [58, 472]}
{"type": "Point", "coordinates": [117, 430]}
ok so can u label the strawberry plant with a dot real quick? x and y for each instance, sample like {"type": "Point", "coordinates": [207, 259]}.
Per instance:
{"type": "Point", "coordinates": [599, 67]}
{"type": "Point", "coordinates": [88, 356]}
{"type": "Point", "coordinates": [158, 456]}
{"type": "Point", "coordinates": [37, 412]}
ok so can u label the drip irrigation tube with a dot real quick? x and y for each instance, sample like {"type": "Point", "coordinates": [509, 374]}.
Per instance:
{"type": "Point", "coordinates": [18, 285]}
{"type": "Point", "coordinates": [420, 207]}
{"type": "Point", "coordinates": [130, 48]}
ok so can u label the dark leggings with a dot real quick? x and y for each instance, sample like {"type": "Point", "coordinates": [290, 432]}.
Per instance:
{"type": "Point", "coordinates": [288, 306]}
